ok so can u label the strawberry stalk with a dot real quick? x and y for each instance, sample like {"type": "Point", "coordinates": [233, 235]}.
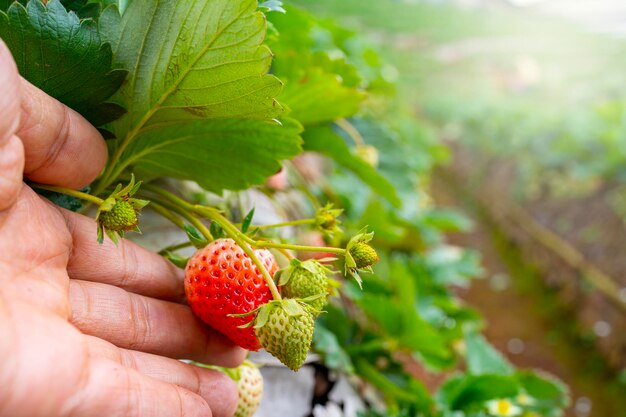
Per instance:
{"type": "Point", "coordinates": [168, 215]}
{"type": "Point", "coordinates": [286, 224]}
{"type": "Point", "coordinates": [67, 191]}
{"type": "Point", "coordinates": [193, 220]}
{"type": "Point", "coordinates": [173, 248]}
{"type": "Point", "coordinates": [217, 217]}
{"type": "Point", "coordinates": [301, 248]}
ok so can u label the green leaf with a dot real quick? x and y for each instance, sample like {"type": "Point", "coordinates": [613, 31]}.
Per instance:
{"type": "Point", "coordinates": [63, 56]}
{"type": "Point", "coordinates": [549, 393]}
{"type": "Point", "coordinates": [191, 60]}
{"type": "Point", "coordinates": [325, 342]}
{"type": "Point", "coordinates": [216, 230]}
{"type": "Point", "coordinates": [247, 220]}
{"type": "Point", "coordinates": [400, 321]}
{"type": "Point", "coordinates": [483, 358]}
{"type": "Point", "coordinates": [198, 94]}
{"type": "Point", "coordinates": [412, 391]}
{"type": "Point", "coordinates": [263, 315]}
{"type": "Point", "coordinates": [178, 260]}
{"type": "Point", "coordinates": [4, 4]}
{"type": "Point", "coordinates": [320, 86]}
{"type": "Point", "coordinates": [447, 220]}
{"type": "Point", "coordinates": [319, 97]}
{"type": "Point", "coordinates": [324, 140]}
{"type": "Point", "coordinates": [195, 237]}
{"type": "Point", "coordinates": [85, 9]}
{"type": "Point", "coordinates": [91, 9]}
{"type": "Point", "coordinates": [469, 393]}
{"type": "Point", "coordinates": [217, 154]}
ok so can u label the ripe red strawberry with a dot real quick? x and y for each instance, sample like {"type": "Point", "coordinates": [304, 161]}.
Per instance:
{"type": "Point", "coordinates": [221, 280]}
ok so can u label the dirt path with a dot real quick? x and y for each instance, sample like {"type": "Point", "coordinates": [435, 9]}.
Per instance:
{"type": "Point", "coordinates": [522, 319]}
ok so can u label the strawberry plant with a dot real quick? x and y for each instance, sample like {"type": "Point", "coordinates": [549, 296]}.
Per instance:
{"type": "Point", "coordinates": [183, 93]}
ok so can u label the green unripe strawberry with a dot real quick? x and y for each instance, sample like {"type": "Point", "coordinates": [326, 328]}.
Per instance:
{"type": "Point", "coordinates": [327, 220]}
{"type": "Point", "coordinates": [122, 217]}
{"type": "Point", "coordinates": [285, 329]}
{"type": "Point", "coordinates": [306, 279]}
{"type": "Point", "coordinates": [250, 388]}
{"type": "Point", "coordinates": [119, 213]}
{"type": "Point", "coordinates": [364, 255]}
{"type": "Point", "coordinates": [360, 256]}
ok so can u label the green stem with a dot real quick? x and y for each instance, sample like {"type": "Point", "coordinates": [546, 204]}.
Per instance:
{"type": "Point", "coordinates": [304, 186]}
{"type": "Point", "coordinates": [286, 253]}
{"type": "Point", "coordinates": [354, 134]}
{"type": "Point", "coordinates": [166, 213]}
{"type": "Point", "coordinates": [285, 224]}
{"type": "Point", "coordinates": [112, 170]}
{"type": "Point", "coordinates": [193, 220]}
{"type": "Point", "coordinates": [176, 247]}
{"type": "Point", "coordinates": [67, 191]}
{"type": "Point", "coordinates": [104, 182]}
{"type": "Point", "coordinates": [269, 244]}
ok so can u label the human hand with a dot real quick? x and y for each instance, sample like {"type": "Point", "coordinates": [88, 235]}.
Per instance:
{"type": "Point", "coordinates": [87, 329]}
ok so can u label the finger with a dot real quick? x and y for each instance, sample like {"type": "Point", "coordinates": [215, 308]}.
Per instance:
{"type": "Point", "coordinates": [48, 371]}
{"type": "Point", "coordinates": [145, 324]}
{"type": "Point", "coordinates": [125, 265]}
{"type": "Point", "coordinates": [112, 390]}
{"type": "Point", "coordinates": [11, 149]}
{"type": "Point", "coordinates": [215, 387]}
{"type": "Point", "coordinates": [61, 147]}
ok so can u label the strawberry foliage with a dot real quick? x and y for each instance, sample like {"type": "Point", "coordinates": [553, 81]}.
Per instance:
{"type": "Point", "coordinates": [64, 56]}
{"type": "Point", "coordinates": [197, 86]}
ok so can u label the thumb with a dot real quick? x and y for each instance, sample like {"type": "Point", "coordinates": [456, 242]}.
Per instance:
{"type": "Point", "coordinates": [11, 148]}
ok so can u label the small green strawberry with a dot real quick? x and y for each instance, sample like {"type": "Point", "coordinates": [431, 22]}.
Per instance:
{"type": "Point", "coordinates": [119, 212]}
{"type": "Point", "coordinates": [308, 279]}
{"type": "Point", "coordinates": [122, 216]}
{"type": "Point", "coordinates": [360, 256]}
{"type": "Point", "coordinates": [364, 255]}
{"type": "Point", "coordinates": [285, 329]}
{"type": "Point", "coordinates": [250, 388]}
{"type": "Point", "coordinates": [326, 220]}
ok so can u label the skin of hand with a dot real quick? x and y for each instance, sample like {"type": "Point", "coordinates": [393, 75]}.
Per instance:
{"type": "Point", "coordinates": [87, 329]}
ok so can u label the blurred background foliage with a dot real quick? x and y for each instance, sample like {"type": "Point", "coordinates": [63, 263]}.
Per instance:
{"type": "Point", "coordinates": [516, 118]}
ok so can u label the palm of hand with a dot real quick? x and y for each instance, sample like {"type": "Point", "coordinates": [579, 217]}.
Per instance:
{"type": "Point", "coordinates": [87, 329]}
{"type": "Point", "coordinates": [35, 307]}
